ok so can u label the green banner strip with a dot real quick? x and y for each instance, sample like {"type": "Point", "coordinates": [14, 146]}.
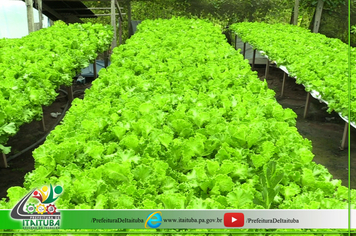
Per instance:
{"type": "Point", "coordinates": [7, 222]}
{"type": "Point", "coordinates": [178, 219]}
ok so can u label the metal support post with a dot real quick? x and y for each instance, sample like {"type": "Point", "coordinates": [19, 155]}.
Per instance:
{"type": "Point", "coordinates": [283, 83]}
{"type": "Point", "coordinates": [113, 23]}
{"type": "Point", "coordinates": [253, 59]}
{"type": "Point", "coordinates": [120, 31]}
{"type": "Point", "coordinates": [244, 52]}
{"type": "Point", "coordinates": [129, 17]}
{"type": "Point", "coordinates": [43, 122]}
{"type": "Point", "coordinates": [307, 102]}
{"type": "Point", "coordinates": [94, 67]}
{"type": "Point", "coordinates": [70, 93]}
{"type": "Point", "coordinates": [106, 59]}
{"type": "Point", "coordinates": [4, 161]}
{"type": "Point", "coordinates": [344, 137]}
{"type": "Point", "coordinates": [267, 69]}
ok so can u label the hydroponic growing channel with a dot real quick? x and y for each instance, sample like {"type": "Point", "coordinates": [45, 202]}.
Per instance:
{"type": "Point", "coordinates": [316, 61]}
{"type": "Point", "coordinates": [32, 69]}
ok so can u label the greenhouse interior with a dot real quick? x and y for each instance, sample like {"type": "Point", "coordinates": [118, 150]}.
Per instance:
{"type": "Point", "coordinates": [176, 104]}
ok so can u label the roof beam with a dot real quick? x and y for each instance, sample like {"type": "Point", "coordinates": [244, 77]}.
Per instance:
{"type": "Point", "coordinates": [86, 15]}
{"type": "Point", "coordinates": [90, 8]}
{"type": "Point", "coordinates": [52, 12]}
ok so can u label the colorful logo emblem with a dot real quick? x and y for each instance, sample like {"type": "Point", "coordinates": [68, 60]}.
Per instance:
{"type": "Point", "coordinates": [43, 215]}
{"type": "Point", "coordinates": [154, 220]}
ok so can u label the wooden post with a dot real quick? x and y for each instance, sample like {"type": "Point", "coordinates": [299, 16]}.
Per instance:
{"type": "Point", "coordinates": [319, 10]}
{"type": "Point", "coordinates": [120, 31]}
{"type": "Point", "coordinates": [296, 12]}
{"type": "Point", "coordinates": [4, 161]}
{"type": "Point", "coordinates": [94, 66]}
{"type": "Point", "coordinates": [344, 137]}
{"type": "Point", "coordinates": [235, 42]}
{"type": "Point", "coordinates": [306, 106]}
{"type": "Point", "coordinates": [244, 53]}
{"type": "Point", "coordinates": [253, 59]}
{"type": "Point", "coordinates": [39, 3]}
{"type": "Point", "coordinates": [113, 23]}
{"type": "Point", "coordinates": [30, 20]}
{"type": "Point", "coordinates": [267, 69]}
{"type": "Point", "coordinates": [106, 59]}
{"type": "Point", "coordinates": [284, 81]}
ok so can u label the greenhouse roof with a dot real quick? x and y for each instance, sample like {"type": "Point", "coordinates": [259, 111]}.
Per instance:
{"type": "Point", "coordinates": [67, 11]}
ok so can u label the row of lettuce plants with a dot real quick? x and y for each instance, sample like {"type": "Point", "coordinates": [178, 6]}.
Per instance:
{"type": "Point", "coordinates": [316, 61]}
{"type": "Point", "coordinates": [33, 67]}
{"type": "Point", "coordinates": [179, 121]}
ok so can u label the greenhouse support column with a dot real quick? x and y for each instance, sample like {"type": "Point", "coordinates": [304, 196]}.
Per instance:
{"type": "Point", "coordinates": [306, 105]}
{"type": "Point", "coordinates": [113, 23]}
{"type": "Point", "coordinates": [120, 21]}
{"type": "Point", "coordinates": [39, 3]}
{"type": "Point", "coordinates": [129, 16]}
{"type": "Point", "coordinates": [253, 59]}
{"type": "Point", "coordinates": [4, 161]}
{"type": "Point", "coordinates": [296, 12]}
{"type": "Point", "coordinates": [319, 10]}
{"type": "Point", "coordinates": [344, 137]}
{"type": "Point", "coordinates": [120, 31]}
{"type": "Point", "coordinates": [284, 81]}
{"type": "Point", "coordinates": [30, 20]}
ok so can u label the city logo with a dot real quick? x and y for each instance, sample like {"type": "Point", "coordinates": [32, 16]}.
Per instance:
{"type": "Point", "coordinates": [44, 215]}
{"type": "Point", "coordinates": [234, 219]}
{"type": "Point", "coordinates": [154, 220]}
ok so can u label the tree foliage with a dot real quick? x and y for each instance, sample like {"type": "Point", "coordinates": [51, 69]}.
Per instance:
{"type": "Point", "coordinates": [227, 12]}
{"type": "Point", "coordinates": [328, 4]}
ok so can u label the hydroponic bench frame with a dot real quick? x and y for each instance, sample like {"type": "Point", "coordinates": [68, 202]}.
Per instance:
{"type": "Point", "coordinates": [313, 93]}
{"type": "Point", "coordinates": [4, 162]}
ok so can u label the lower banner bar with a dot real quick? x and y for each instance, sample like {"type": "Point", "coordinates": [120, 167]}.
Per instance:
{"type": "Point", "coordinates": [179, 219]}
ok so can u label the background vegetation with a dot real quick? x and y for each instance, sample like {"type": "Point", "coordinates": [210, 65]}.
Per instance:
{"type": "Point", "coordinates": [226, 12]}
